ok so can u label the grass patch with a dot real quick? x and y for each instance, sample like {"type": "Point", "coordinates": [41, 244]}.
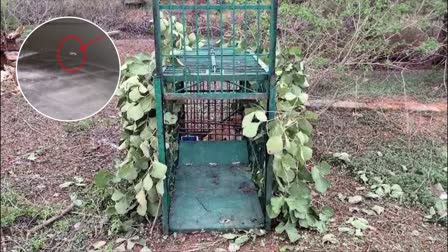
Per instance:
{"type": "Point", "coordinates": [387, 149]}
{"type": "Point", "coordinates": [15, 207]}
{"type": "Point", "coordinates": [416, 166]}
{"type": "Point", "coordinates": [424, 85]}
{"type": "Point", "coordinates": [80, 126]}
{"type": "Point", "coordinates": [18, 215]}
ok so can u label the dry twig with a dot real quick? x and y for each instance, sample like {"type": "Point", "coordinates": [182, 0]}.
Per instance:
{"type": "Point", "coordinates": [52, 219]}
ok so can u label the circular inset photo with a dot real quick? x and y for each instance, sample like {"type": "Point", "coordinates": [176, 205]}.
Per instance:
{"type": "Point", "coordinates": [68, 69]}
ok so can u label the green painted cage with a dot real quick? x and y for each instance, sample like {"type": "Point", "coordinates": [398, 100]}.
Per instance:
{"type": "Point", "coordinates": [213, 58]}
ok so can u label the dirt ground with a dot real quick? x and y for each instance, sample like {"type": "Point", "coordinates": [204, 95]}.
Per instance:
{"type": "Point", "coordinates": [38, 155]}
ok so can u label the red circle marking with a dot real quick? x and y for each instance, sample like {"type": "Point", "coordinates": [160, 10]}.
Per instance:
{"type": "Point", "coordinates": [58, 54]}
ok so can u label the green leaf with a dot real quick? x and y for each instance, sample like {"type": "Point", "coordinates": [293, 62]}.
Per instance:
{"type": "Point", "coordinates": [303, 97]}
{"type": "Point", "coordinates": [169, 118]}
{"type": "Point", "coordinates": [159, 187]}
{"type": "Point", "coordinates": [275, 129]}
{"type": "Point", "coordinates": [158, 170]}
{"type": "Point", "coordinates": [306, 153]}
{"type": "Point", "coordinates": [122, 206]}
{"type": "Point", "coordinates": [139, 69]}
{"type": "Point", "coordinates": [261, 115]}
{"type": "Point", "coordinates": [135, 141]}
{"type": "Point", "coordinates": [147, 103]}
{"type": "Point", "coordinates": [247, 119]}
{"type": "Point", "coordinates": [302, 137]}
{"type": "Point", "coordinates": [346, 230]}
{"type": "Point", "coordinates": [147, 183]}
{"type": "Point", "coordinates": [128, 172]}
{"type": "Point", "coordinates": [229, 236]}
{"type": "Point", "coordinates": [280, 228]}
{"type": "Point", "coordinates": [274, 145]}
{"type": "Point", "coordinates": [359, 223]}
{"type": "Point", "coordinates": [300, 204]}
{"type": "Point", "coordinates": [241, 240]}
{"type": "Point", "coordinates": [322, 184]}
{"type": "Point", "coordinates": [144, 146]}
{"type": "Point", "coordinates": [135, 112]}
{"type": "Point", "coordinates": [192, 37]}
{"type": "Point", "coordinates": [292, 232]}
{"type": "Point", "coordinates": [102, 178]}
{"type": "Point", "coordinates": [324, 168]}
{"type": "Point", "coordinates": [305, 126]}
{"type": "Point", "coordinates": [142, 89]}
{"type": "Point", "coordinates": [326, 214]}
{"type": "Point", "coordinates": [396, 191]}
{"type": "Point", "coordinates": [138, 186]}
{"type": "Point", "coordinates": [143, 57]}
{"type": "Point", "coordinates": [250, 130]}
{"type": "Point", "coordinates": [146, 133]}
{"type": "Point", "coordinates": [288, 161]}
{"type": "Point", "coordinates": [131, 82]}
{"type": "Point", "coordinates": [275, 206]}
{"type": "Point", "coordinates": [289, 96]}
{"type": "Point", "coordinates": [117, 195]}
{"type": "Point", "coordinates": [135, 95]}
{"type": "Point", "coordinates": [179, 27]}
{"type": "Point", "coordinates": [141, 199]}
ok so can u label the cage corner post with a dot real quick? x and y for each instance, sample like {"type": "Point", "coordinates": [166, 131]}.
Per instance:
{"type": "Point", "coordinates": [161, 152]}
{"type": "Point", "coordinates": [272, 107]}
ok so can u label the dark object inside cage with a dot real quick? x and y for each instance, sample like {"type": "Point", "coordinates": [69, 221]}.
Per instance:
{"type": "Point", "coordinates": [207, 119]}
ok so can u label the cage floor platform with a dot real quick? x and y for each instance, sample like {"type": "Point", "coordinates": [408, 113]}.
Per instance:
{"type": "Point", "coordinates": [221, 196]}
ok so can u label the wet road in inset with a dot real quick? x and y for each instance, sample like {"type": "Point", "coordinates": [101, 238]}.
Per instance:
{"type": "Point", "coordinates": [64, 95]}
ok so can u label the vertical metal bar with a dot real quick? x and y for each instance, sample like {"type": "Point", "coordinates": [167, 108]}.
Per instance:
{"type": "Point", "coordinates": [221, 30]}
{"type": "Point", "coordinates": [184, 38]}
{"type": "Point", "coordinates": [208, 41]}
{"type": "Point", "coordinates": [258, 45]}
{"type": "Point", "coordinates": [161, 152]}
{"type": "Point", "coordinates": [233, 43]}
{"type": "Point", "coordinates": [273, 36]}
{"type": "Point", "coordinates": [196, 15]}
{"type": "Point", "coordinates": [268, 171]}
{"type": "Point", "coordinates": [245, 25]}
{"type": "Point", "coordinates": [172, 42]}
{"type": "Point", "coordinates": [157, 37]}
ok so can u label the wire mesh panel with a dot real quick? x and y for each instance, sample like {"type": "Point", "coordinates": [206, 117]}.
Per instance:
{"type": "Point", "coordinates": [211, 120]}
{"type": "Point", "coordinates": [215, 40]}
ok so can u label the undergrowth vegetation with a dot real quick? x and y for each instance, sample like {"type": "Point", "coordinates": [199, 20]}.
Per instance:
{"type": "Point", "coordinates": [394, 163]}
{"type": "Point", "coordinates": [419, 168]}
{"type": "Point", "coordinates": [352, 32]}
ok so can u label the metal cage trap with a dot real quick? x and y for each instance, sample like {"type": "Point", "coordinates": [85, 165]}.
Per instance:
{"type": "Point", "coordinates": [216, 66]}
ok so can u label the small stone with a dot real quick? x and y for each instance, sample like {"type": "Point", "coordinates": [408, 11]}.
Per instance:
{"type": "Point", "coordinates": [341, 197]}
{"type": "Point", "coordinates": [355, 199]}
{"type": "Point", "coordinates": [378, 209]}
{"type": "Point", "coordinates": [415, 233]}
{"type": "Point", "coordinates": [233, 247]}
{"type": "Point", "coordinates": [77, 226]}
{"type": "Point", "coordinates": [360, 188]}
{"type": "Point", "coordinates": [353, 209]}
